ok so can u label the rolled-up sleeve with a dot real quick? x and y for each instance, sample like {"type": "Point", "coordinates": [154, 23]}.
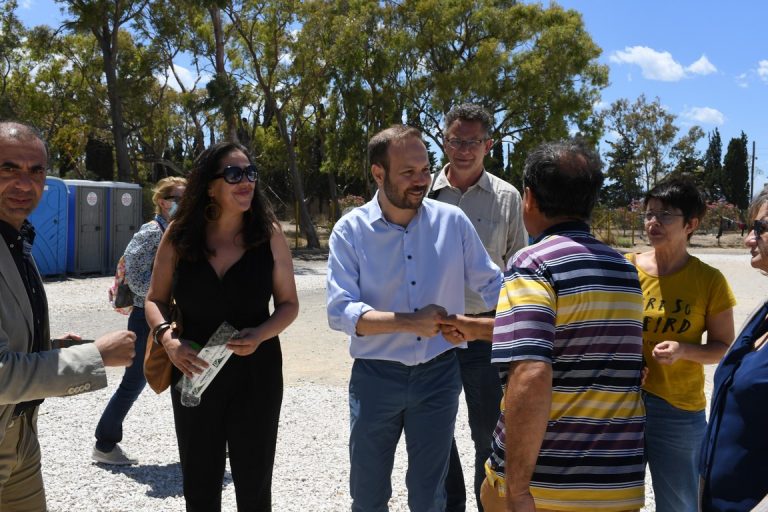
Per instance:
{"type": "Point", "coordinates": [344, 306]}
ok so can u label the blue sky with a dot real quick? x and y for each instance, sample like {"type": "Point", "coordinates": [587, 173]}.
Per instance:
{"type": "Point", "coordinates": [707, 61]}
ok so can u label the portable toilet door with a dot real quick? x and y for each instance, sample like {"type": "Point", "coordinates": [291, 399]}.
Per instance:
{"type": "Point", "coordinates": [50, 221]}
{"type": "Point", "coordinates": [124, 219]}
{"type": "Point", "coordinates": [86, 241]}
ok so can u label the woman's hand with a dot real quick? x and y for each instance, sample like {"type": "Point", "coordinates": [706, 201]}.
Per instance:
{"type": "Point", "coordinates": [667, 352]}
{"type": "Point", "coordinates": [183, 356]}
{"type": "Point", "coordinates": [246, 342]}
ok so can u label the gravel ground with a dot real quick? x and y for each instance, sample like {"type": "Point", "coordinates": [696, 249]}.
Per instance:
{"type": "Point", "coordinates": [311, 469]}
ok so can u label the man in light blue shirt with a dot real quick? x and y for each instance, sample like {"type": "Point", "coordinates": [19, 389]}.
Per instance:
{"type": "Point", "coordinates": [397, 268]}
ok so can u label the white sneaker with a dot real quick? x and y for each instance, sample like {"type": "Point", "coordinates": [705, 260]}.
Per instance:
{"type": "Point", "coordinates": [115, 457]}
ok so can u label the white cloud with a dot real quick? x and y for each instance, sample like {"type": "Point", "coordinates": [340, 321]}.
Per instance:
{"type": "Point", "coordinates": [762, 70]}
{"type": "Point", "coordinates": [654, 65]}
{"type": "Point", "coordinates": [26, 4]}
{"type": "Point", "coordinates": [705, 115]}
{"type": "Point", "coordinates": [742, 80]}
{"type": "Point", "coordinates": [186, 77]}
{"type": "Point", "coordinates": [702, 67]}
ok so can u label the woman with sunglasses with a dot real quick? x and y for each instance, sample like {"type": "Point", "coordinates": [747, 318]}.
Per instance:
{"type": "Point", "coordinates": [683, 297]}
{"type": "Point", "coordinates": [222, 260]}
{"type": "Point", "coordinates": [139, 255]}
{"type": "Point", "coordinates": [733, 459]}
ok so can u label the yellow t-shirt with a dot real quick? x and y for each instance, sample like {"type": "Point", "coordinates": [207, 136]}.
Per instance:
{"type": "Point", "coordinates": [675, 307]}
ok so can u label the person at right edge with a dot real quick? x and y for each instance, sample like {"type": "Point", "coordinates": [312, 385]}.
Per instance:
{"type": "Point", "coordinates": [224, 258]}
{"type": "Point", "coordinates": [683, 298]}
{"type": "Point", "coordinates": [495, 210]}
{"type": "Point", "coordinates": [733, 458]}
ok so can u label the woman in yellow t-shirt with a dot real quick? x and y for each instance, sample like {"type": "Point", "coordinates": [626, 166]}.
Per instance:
{"type": "Point", "coordinates": [682, 298]}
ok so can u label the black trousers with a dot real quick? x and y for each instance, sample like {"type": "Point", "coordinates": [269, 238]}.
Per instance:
{"type": "Point", "coordinates": [241, 409]}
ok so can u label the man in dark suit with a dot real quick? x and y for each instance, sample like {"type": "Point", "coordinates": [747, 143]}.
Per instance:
{"type": "Point", "coordinates": [29, 370]}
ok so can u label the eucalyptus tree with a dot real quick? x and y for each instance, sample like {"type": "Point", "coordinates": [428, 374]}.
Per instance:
{"type": "Point", "coordinates": [104, 19]}
{"type": "Point", "coordinates": [534, 67]}
{"type": "Point", "coordinates": [650, 129]}
{"type": "Point", "coordinates": [277, 64]}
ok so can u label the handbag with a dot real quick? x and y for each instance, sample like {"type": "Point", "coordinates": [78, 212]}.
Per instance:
{"type": "Point", "coordinates": [120, 294]}
{"type": "Point", "coordinates": [157, 365]}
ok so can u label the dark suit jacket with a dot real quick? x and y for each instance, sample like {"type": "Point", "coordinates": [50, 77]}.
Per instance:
{"type": "Point", "coordinates": [25, 376]}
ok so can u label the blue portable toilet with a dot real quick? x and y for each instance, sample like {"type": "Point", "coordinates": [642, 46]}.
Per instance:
{"type": "Point", "coordinates": [87, 226]}
{"type": "Point", "coordinates": [50, 222]}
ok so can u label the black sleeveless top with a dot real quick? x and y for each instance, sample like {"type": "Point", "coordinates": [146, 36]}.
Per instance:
{"type": "Point", "coordinates": [241, 297]}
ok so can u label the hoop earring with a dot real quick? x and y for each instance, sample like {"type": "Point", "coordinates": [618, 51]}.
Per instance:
{"type": "Point", "coordinates": [212, 212]}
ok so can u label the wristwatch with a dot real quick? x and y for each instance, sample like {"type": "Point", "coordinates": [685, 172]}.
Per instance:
{"type": "Point", "coordinates": [158, 331]}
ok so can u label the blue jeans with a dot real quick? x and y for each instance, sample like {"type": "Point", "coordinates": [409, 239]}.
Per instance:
{"type": "Point", "coordinates": [109, 431]}
{"type": "Point", "coordinates": [385, 399]}
{"type": "Point", "coordinates": [482, 391]}
{"type": "Point", "coordinates": [673, 440]}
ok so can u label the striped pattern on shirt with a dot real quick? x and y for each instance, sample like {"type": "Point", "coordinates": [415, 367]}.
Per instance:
{"type": "Point", "coordinates": [576, 304]}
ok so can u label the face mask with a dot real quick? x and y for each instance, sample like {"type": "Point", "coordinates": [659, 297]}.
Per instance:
{"type": "Point", "coordinates": [172, 209]}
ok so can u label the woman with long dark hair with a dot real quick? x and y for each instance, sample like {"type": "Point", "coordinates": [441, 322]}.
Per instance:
{"type": "Point", "coordinates": [222, 260]}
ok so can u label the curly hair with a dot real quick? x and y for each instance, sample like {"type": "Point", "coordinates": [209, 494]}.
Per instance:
{"type": "Point", "coordinates": [187, 232]}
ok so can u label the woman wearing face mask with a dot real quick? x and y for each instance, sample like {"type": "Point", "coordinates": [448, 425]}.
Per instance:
{"type": "Point", "coordinates": [683, 297]}
{"type": "Point", "coordinates": [139, 256]}
{"type": "Point", "coordinates": [733, 458]}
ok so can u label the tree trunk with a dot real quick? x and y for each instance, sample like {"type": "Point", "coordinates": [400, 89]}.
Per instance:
{"type": "Point", "coordinates": [218, 36]}
{"type": "Point", "coordinates": [108, 42]}
{"type": "Point", "coordinates": [298, 190]}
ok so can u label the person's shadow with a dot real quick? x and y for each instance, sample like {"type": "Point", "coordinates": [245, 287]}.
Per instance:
{"type": "Point", "coordinates": [163, 480]}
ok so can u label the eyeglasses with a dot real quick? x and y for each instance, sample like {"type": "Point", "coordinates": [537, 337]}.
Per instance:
{"type": "Point", "coordinates": [175, 199]}
{"type": "Point", "coordinates": [760, 227]}
{"type": "Point", "coordinates": [461, 143]}
{"type": "Point", "coordinates": [233, 174]}
{"type": "Point", "coordinates": [663, 217]}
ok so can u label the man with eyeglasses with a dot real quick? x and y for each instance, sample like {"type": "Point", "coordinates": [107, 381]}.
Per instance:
{"type": "Point", "coordinates": [494, 207]}
{"type": "Point", "coordinates": [29, 370]}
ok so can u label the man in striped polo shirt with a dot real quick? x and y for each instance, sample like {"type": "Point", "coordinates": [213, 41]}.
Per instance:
{"type": "Point", "coordinates": [567, 341]}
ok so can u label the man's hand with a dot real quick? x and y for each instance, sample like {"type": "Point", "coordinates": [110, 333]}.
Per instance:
{"type": "Point", "coordinates": [451, 332]}
{"type": "Point", "coordinates": [117, 348]}
{"type": "Point", "coordinates": [521, 503]}
{"type": "Point", "coordinates": [426, 321]}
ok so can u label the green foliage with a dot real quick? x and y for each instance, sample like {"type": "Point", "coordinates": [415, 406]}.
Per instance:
{"type": "Point", "coordinates": [736, 172]}
{"type": "Point", "coordinates": [713, 167]}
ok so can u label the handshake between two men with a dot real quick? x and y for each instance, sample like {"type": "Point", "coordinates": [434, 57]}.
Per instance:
{"type": "Point", "coordinates": [430, 320]}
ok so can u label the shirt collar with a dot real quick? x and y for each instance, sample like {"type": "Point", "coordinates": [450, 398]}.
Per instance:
{"type": "Point", "coordinates": [569, 225]}
{"type": "Point", "coordinates": [373, 211]}
{"type": "Point", "coordinates": [12, 236]}
{"type": "Point", "coordinates": [441, 180]}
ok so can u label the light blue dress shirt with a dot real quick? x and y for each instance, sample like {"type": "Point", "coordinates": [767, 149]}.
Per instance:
{"type": "Point", "coordinates": [377, 265]}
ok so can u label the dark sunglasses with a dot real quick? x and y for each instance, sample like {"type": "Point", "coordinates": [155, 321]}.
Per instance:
{"type": "Point", "coordinates": [759, 227]}
{"type": "Point", "coordinates": [233, 174]}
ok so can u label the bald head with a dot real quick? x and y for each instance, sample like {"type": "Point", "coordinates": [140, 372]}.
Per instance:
{"type": "Point", "coordinates": [13, 131]}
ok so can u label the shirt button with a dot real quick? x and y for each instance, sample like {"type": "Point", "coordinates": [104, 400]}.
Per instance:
{"type": "Point", "coordinates": [409, 256]}
{"type": "Point", "coordinates": [418, 338]}
{"type": "Point", "coordinates": [413, 283]}
{"type": "Point", "coordinates": [415, 309]}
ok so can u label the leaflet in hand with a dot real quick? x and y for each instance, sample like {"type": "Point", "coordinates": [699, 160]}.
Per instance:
{"type": "Point", "coordinates": [215, 353]}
